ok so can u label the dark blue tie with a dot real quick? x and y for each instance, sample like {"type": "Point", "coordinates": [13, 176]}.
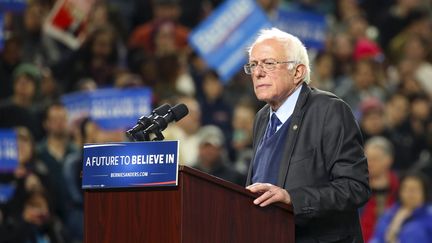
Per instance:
{"type": "Point", "coordinates": [274, 123]}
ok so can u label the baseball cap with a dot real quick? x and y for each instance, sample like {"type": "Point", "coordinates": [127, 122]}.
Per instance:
{"type": "Point", "coordinates": [212, 135]}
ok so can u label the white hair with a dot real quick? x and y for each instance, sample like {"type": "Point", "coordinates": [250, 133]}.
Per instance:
{"type": "Point", "coordinates": [382, 143]}
{"type": "Point", "coordinates": [293, 46]}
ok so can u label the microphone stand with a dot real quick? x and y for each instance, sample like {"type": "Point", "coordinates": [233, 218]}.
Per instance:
{"type": "Point", "coordinates": [158, 134]}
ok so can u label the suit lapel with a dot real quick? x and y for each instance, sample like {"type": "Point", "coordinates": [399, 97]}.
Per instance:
{"type": "Point", "coordinates": [294, 129]}
{"type": "Point", "coordinates": [261, 126]}
{"type": "Point", "coordinates": [259, 130]}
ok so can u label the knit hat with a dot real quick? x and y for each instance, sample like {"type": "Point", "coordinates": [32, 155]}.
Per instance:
{"type": "Point", "coordinates": [371, 104]}
{"type": "Point", "coordinates": [29, 70]}
{"type": "Point", "coordinates": [365, 48]}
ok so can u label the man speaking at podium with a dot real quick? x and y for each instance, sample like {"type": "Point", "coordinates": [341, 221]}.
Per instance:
{"type": "Point", "coordinates": [307, 145]}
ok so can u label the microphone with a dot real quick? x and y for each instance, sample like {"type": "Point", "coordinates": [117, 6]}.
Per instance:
{"type": "Point", "coordinates": [176, 113]}
{"type": "Point", "coordinates": [145, 121]}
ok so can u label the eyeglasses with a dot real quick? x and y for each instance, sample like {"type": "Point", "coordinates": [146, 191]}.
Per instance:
{"type": "Point", "coordinates": [266, 64]}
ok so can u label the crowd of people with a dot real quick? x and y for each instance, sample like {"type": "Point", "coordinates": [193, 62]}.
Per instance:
{"type": "Point", "coordinates": [376, 57]}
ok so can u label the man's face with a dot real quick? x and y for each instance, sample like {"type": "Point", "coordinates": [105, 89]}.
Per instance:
{"type": "Point", "coordinates": [276, 85]}
{"type": "Point", "coordinates": [209, 155]}
{"type": "Point", "coordinates": [25, 87]}
{"type": "Point", "coordinates": [379, 162]}
{"type": "Point", "coordinates": [56, 122]}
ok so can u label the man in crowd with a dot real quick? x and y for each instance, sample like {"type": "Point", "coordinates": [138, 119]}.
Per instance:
{"type": "Point", "coordinates": [383, 182]}
{"type": "Point", "coordinates": [213, 157]}
{"type": "Point", "coordinates": [53, 151]}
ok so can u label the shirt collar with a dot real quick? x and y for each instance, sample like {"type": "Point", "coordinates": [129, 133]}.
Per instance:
{"type": "Point", "coordinates": [287, 108]}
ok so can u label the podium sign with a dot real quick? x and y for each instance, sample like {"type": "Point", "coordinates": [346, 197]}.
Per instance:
{"type": "Point", "coordinates": [139, 164]}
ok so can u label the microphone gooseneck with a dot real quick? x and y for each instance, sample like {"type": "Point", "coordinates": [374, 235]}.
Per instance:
{"type": "Point", "coordinates": [159, 123]}
{"type": "Point", "coordinates": [145, 121]}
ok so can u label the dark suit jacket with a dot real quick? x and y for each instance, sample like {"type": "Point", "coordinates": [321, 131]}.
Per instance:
{"type": "Point", "coordinates": [323, 167]}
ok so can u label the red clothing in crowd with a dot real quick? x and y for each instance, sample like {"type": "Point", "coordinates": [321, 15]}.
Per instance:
{"type": "Point", "coordinates": [380, 200]}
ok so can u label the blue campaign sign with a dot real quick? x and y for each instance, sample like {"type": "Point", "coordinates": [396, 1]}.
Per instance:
{"type": "Point", "coordinates": [8, 150]}
{"type": "Point", "coordinates": [222, 39]}
{"type": "Point", "coordinates": [6, 192]}
{"type": "Point", "coordinates": [110, 108]}
{"type": "Point", "coordinates": [139, 164]}
{"type": "Point", "coordinates": [13, 5]}
{"type": "Point", "coordinates": [77, 105]}
{"type": "Point", "coordinates": [2, 33]}
{"type": "Point", "coordinates": [309, 27]}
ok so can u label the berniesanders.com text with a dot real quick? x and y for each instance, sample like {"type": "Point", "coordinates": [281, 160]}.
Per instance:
{"type": "Point", "coordinates": [129, 174]}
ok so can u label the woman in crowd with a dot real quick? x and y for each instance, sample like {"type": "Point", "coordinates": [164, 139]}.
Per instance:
{"type": "Point", "coordinates": [409, 220]}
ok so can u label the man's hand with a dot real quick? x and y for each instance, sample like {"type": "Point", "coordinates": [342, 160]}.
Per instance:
{"type": "Point", "coordinates": [269, 194]}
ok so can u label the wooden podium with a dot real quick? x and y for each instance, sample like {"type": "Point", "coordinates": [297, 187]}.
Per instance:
{"type": "Point", "coordinates": [201, 209]}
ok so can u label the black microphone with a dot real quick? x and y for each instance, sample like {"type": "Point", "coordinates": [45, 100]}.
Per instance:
{"type": "Point", "coordinates": [145, 121]}
{"type": "Point", "coordinates": [176, 113]}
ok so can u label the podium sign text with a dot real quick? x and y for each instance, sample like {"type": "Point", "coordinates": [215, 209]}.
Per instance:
{"type": "Point", "coordinates": [139, 164]}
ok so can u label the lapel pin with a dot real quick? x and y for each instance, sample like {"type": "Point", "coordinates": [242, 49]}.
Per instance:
{"type": "Point", "coordinates": [295, 127]}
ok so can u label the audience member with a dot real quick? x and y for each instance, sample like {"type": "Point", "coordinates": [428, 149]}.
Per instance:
{"type": "Point", "coordinates": [38, 48]}
{"type": "Point", "coordinates": [86, 132]}
{"type": "Point", "coordinates": [215, 110]}
{"type": "Point", "coordinates": [163, 33]}
{"type": "Point", "coordinates": [322, 76]}
{"type": "Point", "coordinates": [36, 223]}
{"type": "Point", "coordinates": [21, 108]}
{"type": "Point", "coordinates": [395, 18]}
{"type": "Point", "coordinates": [10, 57]}
{"type": "Point", "coordinates": [213, 157]}
{"type": "Point", "coordinates": [372, 119]}
{"type": "Point", "coordinates": [363, 83]}
{"type": "Point", "coordinates": [53, 151]}
{"type": "Point", "coordinates": [382, 181]}
{"type": "Point", "coordinates": [409, 220]}
{"type": "Point", "coordinates": [98, 58]}
{"type": "Point", "coordinates": [401, 133]}
{"type": "Point", "coordinates": [30, 174]}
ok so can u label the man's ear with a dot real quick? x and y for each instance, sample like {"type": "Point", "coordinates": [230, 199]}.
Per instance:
{"type": "Point", "coordinates": [300, 73]}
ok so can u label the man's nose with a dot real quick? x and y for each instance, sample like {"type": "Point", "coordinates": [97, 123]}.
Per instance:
{"type": "Point", "coordinates": [259, 70]}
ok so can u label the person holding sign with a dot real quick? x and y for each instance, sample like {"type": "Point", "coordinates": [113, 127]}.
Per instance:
{"type": "Point", "coordinates": [307, 145]}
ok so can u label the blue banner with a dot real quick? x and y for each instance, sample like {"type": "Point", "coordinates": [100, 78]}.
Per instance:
{"type": "Point", "coordinates": [2, 31]}
{"type": "Point", "coordinates": [8, 150]}
{"type": "Point", "coordinates": [110, 108]}
{"type": "Point", "coordinates": [309, 27]}
{"type": "Point", "coordinates": [6, 192]}
{"type": "Point", "coordinates": [223, 38]}
{"type": "Point", "coordinates": [13, 5]}
{"type": "Point", "coordinates": [140, 164]}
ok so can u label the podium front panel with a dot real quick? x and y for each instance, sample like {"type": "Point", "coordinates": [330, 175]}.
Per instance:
{"type": "Point", "coordinates": [217, 211]}
{"type": "Point", "coordinates": [201, 209]}
{"type": "Point", "coordinates": [144, 215]}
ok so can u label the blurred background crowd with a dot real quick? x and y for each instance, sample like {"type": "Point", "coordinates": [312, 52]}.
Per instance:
{"type": "Point", "coordinates": [377, 57]}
